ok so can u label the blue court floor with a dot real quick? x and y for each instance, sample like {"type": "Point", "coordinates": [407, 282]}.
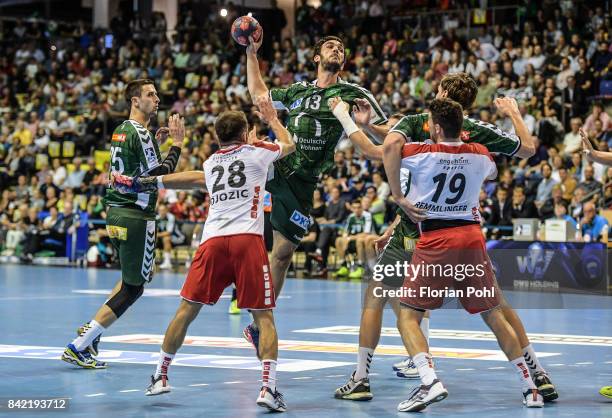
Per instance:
{"type": "Point", "coordinates": [216, 373]}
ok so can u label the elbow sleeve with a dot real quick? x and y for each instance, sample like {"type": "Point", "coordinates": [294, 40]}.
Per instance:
{"type": "Point", "coordinates": [169, 164]}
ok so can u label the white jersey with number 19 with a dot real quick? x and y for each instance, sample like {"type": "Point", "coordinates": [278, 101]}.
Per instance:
{"type": "Point", "coordinates": [446, 178]}
{"type": "Point", "coordinates": [236, 180]}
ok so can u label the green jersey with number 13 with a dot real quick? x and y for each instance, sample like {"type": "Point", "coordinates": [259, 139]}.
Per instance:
{"type": "Point", "coordinates": [315, 129]}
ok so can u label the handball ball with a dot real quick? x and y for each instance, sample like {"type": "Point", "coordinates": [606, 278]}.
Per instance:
{"type": "Point", "coordinates": [246, 26]}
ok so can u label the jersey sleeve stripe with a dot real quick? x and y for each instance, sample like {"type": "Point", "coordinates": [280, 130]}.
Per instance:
{"type": "Point", "coordinates": [518, 147]}
{"type": "Point", "coordinates": [270, 146]}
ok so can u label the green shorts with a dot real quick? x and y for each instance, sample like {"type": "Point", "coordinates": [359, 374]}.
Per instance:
{"type": "Point", "coordinates": [398, 250]}
{"type": "Point", "coordinates": [133, 233]}
{"type": "Point", "coordinates": [291, 205]}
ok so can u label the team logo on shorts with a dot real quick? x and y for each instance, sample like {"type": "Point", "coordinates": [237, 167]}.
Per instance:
{"type": "Point", "coordinates": [300, 220]}
{"type": "Point", "coordinates": [117, 232]}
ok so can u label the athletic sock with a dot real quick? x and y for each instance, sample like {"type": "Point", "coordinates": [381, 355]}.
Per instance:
{"type": "Point", "coordinates": [167, 257]}
{"type": "Point", "coordinates": [83, 341]}
{"type": "Point", "coordinates": [165, 360]}
{"type": "Point", "coordinates": [425, 329]}
{"type": "Point", "coordinates": [532, 360]}
{"type": "Point", "coordinates": [424, 364]}
{"type": "Point", "coordinates": [372, 264]}
{"type": "Point", "coordinates": [523, 372]}
{"type": "Point", "coordinates": [268, 374]}
{"type": "Point", "coordinates": [364, 359]}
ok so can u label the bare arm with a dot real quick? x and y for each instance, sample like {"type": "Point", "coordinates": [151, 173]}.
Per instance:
{"type": "Point", "coordinates": [379, 131]}
{"type": "Point", "coordinates": [187, 180]}
{"type": "Point", "coordinates": [592, 154]}
{"type": "Point", "coordinates": [269, 115]}
{"type": "Point", "coordinates": [255, 82]}
{"type": "Point", "coordinates": [509, 107]}
{"type": "Point", "coordinates": [392, 159]}
{"type": "Point", "coordinates": [357, 136]}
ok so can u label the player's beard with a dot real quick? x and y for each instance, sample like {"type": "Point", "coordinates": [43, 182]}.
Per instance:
{"type": "Point", "coordinates": [331, 66]}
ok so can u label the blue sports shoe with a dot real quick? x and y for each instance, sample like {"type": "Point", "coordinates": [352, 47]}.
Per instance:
{"type": "Point", "coordinates": [251, 334]}
{"type": "Point", "coordinates": [81, 358]}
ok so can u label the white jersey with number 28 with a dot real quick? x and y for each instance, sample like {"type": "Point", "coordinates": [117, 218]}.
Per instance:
{"type": "Point", "coordinates": [236, 180]}
{"type": "Point", "coordinates": [446, 178]}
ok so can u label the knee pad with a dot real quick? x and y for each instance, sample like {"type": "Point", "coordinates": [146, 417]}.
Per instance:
{"type": "Point", "coordinates": [124, 298]}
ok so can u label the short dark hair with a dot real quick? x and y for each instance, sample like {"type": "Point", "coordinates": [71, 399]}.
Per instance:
{"type": "Point", "coordinates": [461, 87]}
{"type": "Point", "coordinates": [449, 115]}
{"type": "Point", "coordinates": [320, 42]}
{"type": "Point", "coordinates": [134, 88]}
{"type": "Point", "coordinates": [230, 126]}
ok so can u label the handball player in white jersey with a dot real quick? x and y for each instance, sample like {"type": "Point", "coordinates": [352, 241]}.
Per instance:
{"type": "Point", "coordinates": [232, 248]}
{"type": "Point", "coordinates": [446, 180]}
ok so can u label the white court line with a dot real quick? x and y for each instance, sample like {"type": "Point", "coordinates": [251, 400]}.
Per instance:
{"type": "Point", "coordinates": [129, 390]}
{"type": "Point", "coordinates": [336, 375]}
{"type": "Point", "coordinates": [301, 378]}
{"type": "Point", "coordinates": [92, 395]}
{"type": "Point", "coordinates": [556, 364]}
{"type": "Point", "coordinates": [448, 334]}
{"type": "Point", "coordinates": [199, 384]}
{"type": "Point", "coordinates": [496, 368]}
{"type": "Point", "coordinates": [315, 346]}
{"type": "Point", "coordinates": [608, 362]}
{"type": "Point", "coordinates": [233, 383]}
{"type": "Point", "coordinates": [585, 362]}
{"type": "Point", "coordinates": [464, 370]}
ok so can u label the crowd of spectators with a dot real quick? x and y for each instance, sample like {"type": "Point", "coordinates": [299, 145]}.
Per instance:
{"type": "Point", "coordinates": [61, 85]}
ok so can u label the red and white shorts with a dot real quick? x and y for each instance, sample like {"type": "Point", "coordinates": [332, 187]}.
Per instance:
{"type": "Point", "coordinates": [452, 259]}
{"type": "Point", "coordinates": [220, 261]}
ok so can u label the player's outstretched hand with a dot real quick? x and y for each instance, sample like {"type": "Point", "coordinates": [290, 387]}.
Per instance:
{"type": "Point", "coordinates": [266, 113]}
{"type": "Point", "coordinates": [254, 46]}
{"type": "Point", "coordinates": [414, 213]}
{"type": "Point", "coordinates": [506, 105]}
{"type": "Point", "coordinates": [176, 126]}
{"type": "Point", "coordinates": [362, 111]}
{"type": "Point", "coordinates": [162, 134]}
{"type": "Point", "coordinates": [587, 147]}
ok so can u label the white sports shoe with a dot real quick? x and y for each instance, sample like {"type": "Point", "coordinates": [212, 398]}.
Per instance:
{"type": "Point", "coordinates": [533, 399]}
{"type": "Point", "coordinates": [402, 364]}
{"type": "Point", "coordinates": [158, 386]}
{"type": "Point", "coordinates": [273, 401]}
{"type": "Point", "coordinates": [422, 396]}
{"type": "Point", "coordinates": [166, 265]}
{"type": "Point", "coordinates": [409, 372]}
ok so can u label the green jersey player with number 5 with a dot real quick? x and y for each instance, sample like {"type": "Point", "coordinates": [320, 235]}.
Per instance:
{"type": "Point", "coordinates": [316, 132]}
{"type": "Point", "coordinates": [130, 220]}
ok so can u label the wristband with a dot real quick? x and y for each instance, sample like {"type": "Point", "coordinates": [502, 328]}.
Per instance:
{"type": "Point", "coordinates": [160, 183]}
{"type": "Point", "coordinates": [348, 124]}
